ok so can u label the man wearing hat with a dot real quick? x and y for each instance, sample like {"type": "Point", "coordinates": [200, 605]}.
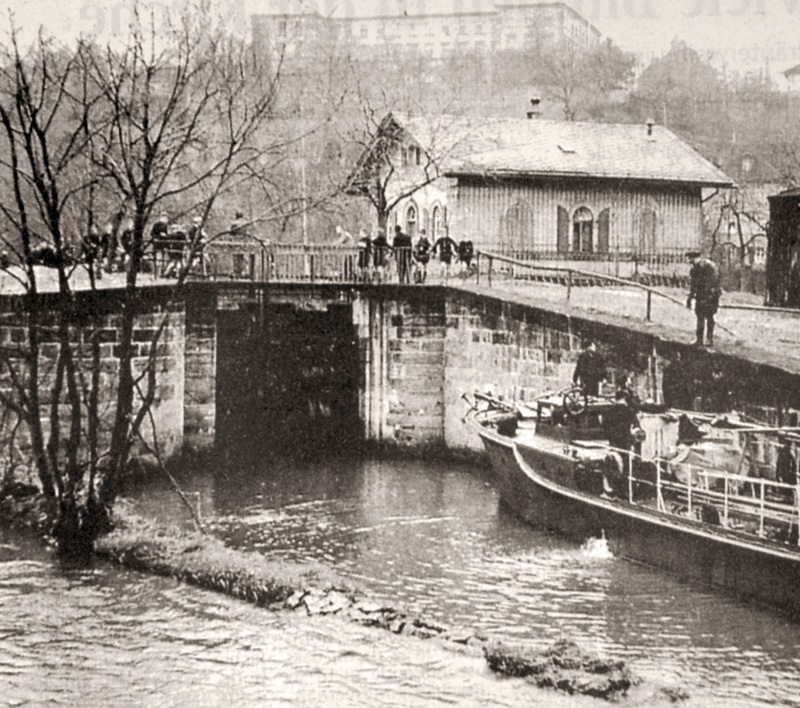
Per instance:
{"type": "Point", "coordinates": [402, 252]}
{"type": "Point", "coordinates": [590, 369]}
{"type": "Point", "coordinates": [705, 290]}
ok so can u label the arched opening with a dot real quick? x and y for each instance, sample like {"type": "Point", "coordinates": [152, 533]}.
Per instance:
{"type": "Point", "coordinates": [583, 231]}
{"type": "Point", "coordinates": [411, 219]}
{"type": "Point", "coordinates": [518, 231]}
{"type": "Point", "coordinates": [437, 222]}
{"type": "Point", "coordinates": [648, 225]}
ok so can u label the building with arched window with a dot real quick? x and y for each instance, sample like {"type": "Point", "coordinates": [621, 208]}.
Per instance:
{"type": "Point", "coordinates": [538, 188]}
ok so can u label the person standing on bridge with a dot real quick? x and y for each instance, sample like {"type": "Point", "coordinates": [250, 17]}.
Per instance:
{"type": "Point", "coordinates": [422, 254]}
{"type": "Point", "coordinates": [446, 248]}
{"type": "Point", "coordinates": [197, 242]}
{"type": "Point", "coordinates": [704, 289]}
{"type": "Point", "coordinates": [402, 253]}
{"type": "Point", "coordinates": [364, 256]}
{"type": "Point", "coordinates": [159, 235]}
{"type": "Point", "coordinates": [381, 249]}
{"type": "Point", "coordinates": [344, 239]}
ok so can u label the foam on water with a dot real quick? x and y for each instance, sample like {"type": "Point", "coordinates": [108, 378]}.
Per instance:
{"type": "Point", "coordinates": [597, 548]}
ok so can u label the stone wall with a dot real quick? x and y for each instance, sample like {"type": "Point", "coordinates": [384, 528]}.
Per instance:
{"type": "Point", "coordinates": [96, 317]}
{"type": "Point", "coordinates": [401, 347]}
{"type": "Point", "coordinates": [421, 351]}
{"type": "Point", "coordinates": [200, 378]}
{"type": "Point", "coordinates": [390, 365]}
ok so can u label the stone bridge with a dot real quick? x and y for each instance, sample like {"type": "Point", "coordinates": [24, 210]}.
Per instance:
{"type": "Point", "coordinates": [334, 363]}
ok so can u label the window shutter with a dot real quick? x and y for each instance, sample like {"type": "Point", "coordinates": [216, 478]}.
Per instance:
{"type": "Point", "coordinates": [603, 227]}
{"type": "Point", "coordinates": [562, 238]}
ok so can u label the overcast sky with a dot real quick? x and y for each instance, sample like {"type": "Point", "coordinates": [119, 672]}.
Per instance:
{"type": "Point", "coordinates": [744, 35]}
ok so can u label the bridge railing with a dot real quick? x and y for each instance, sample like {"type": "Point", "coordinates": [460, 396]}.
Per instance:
{"type": "Point", "coordinates": [493, 268]}
{"type": "Point", "coordinates": [254, 261]}
{"type": "Point", "coordinates": [665, 267]}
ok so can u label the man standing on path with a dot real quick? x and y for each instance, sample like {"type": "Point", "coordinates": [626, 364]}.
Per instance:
{"type": "Point", "coordinates": [704, 289]}
{"type": "Point", "coordinates": [402, 254]}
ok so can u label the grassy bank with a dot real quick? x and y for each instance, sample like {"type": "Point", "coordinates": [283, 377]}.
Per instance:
{"type": "Point", "coordinates": [206, 562]}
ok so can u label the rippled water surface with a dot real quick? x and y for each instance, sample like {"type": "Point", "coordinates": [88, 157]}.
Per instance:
{"type": "Point", "coordinates": [429, 537]}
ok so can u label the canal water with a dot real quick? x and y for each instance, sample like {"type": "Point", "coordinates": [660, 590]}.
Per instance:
{"type": "Point", "coordinates": [428, 537]}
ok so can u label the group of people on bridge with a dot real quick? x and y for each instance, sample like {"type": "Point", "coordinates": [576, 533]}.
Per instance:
{"type": "Point", "coordinates": [411, 256]}
{"type": "Point", "coordinates": [173, 246]}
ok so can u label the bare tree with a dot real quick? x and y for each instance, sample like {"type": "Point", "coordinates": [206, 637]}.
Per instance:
{"type": "Point", "coordinates": [177, 119]}
{"type": "Point", "coordinates": [390, 164]}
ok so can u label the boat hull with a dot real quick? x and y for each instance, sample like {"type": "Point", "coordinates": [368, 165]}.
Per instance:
{"type": "Point", "coordinates": [750, 568]}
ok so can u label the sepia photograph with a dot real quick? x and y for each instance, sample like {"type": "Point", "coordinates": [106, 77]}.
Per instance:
{"type": "Point", "coordinates": [399, 353]}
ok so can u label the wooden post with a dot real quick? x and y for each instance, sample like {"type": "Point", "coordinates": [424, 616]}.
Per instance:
{"type": "Point", "coordinates": [689, 491]}
{"type": "Point", "coordinates": [649, 304]}
{"type": "Point", "coordinates": [630, 476]}
{"type": "Point", "coordinates": [490, 271]}
{"type": "Point", "coordinates": [725, 508]}
{"type": "Point", "coordinates": [797, 502]}
{"type": "Point", "coordinates": [569, 284]}
{"type": "Point", "coordinates": [761, 512]}
{"type": "Point", "coordinates": [659, 495]}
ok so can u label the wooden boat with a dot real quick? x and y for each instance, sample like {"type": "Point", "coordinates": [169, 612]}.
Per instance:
{"type": "Point", "coordinates": [671, 500]}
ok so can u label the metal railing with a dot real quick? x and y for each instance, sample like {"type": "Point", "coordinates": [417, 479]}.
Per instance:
{"type": "Point", "coordinates": [515, 271]}
{"type": "Point", "coordinates": [253, 260]}
{"type": "Point", "coordinates": [250, 260]}
{"type": "Point", "coordinates": [769, 501]}
{"type": "Point", "coordinates": [664, 267]}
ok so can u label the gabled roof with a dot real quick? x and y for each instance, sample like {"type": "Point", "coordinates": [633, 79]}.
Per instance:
{"type": "Point", "coordinates": [793, 193]}
{"type": "Point", "coordinates": [538, 147]}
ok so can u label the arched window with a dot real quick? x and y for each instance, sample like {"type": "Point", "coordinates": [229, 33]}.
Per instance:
{"type": "Point", "coordinates": [518, 231]}
{"type": "Point", "coordinates": [646, 231]}
{"type": "Point", "coordinates": [436, 223]}
{"type": "Point", "coordinates": [582, 231]}
{"type": "Point", "coordinates": [411, 219]}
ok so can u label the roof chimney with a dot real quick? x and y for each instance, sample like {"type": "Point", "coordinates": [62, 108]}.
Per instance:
{"type": "Point", "coordinates": [535, 101]}
{"type": "Point", "coordinates": [650, 123]}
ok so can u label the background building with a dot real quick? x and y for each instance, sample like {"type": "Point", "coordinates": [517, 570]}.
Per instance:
{"type": "Point", "coordinates": [503, 27]}
{"type": "Point", "coordinates": [551, 189]}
